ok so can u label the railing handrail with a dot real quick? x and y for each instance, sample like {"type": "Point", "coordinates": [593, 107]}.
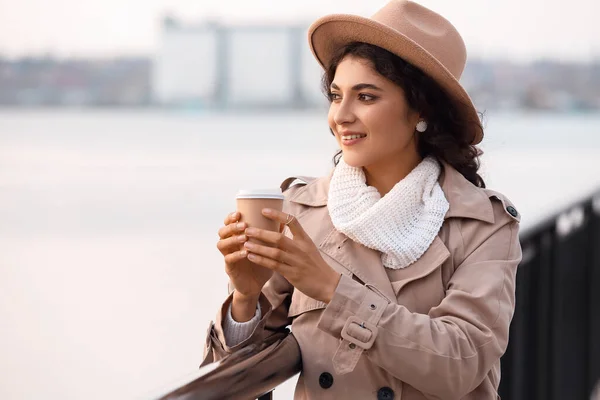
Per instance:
{"type": "Point", "coordinates": [549, 220]}
{"type": "Point", "coordinates": [251, 372]}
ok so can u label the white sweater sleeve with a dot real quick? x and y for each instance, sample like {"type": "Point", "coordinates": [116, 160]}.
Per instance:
{"type": "Point", "coordinates": [236, 332]}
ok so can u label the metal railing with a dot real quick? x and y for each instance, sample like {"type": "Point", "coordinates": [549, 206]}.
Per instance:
{"type": "Point", "coordinates": [249, 373]}
{"type": "Point", "coordinates": [554, 346]}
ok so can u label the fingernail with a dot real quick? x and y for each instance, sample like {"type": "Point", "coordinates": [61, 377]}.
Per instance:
{"type": "Point", "coordinates": [234, 214]}
{"type": "Point", "coordinates": [251, 231]}
{"type": "Point", "coordinates": [249, 245]}
{"type": "Point", "coordinates": [242, 238]}
{"type": "Point", "coordinates": [240, 225]}
{"type": "Point", "coordinates": [252, 257]}
{"type": "Point", "coordinates": [243, 253]}
{"type": "Point", "coordinates": [267, 211]}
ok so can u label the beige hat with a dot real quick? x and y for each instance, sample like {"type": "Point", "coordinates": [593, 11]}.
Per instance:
{"type": "Point", "coordinates": [416, 34]}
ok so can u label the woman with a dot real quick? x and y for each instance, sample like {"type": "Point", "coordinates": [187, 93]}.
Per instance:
{"type": "Point", "coordinates": [397, 271]}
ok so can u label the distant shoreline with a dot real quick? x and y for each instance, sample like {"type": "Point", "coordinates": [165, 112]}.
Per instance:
{"type": "Point", "coordinates": [242, 111]}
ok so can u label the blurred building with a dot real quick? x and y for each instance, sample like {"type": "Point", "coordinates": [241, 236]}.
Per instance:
{"type": "Point", "coordinates": [35, 82]}
{"type": "Point", "coordinates": [226, 66]}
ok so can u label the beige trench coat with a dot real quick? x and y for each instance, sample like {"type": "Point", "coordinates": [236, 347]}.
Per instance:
{"type": "Point", "coordinates": [433, 330]}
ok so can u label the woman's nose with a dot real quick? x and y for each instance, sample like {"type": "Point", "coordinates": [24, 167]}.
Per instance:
{"type": "Point", "coordinates": [343, 114]}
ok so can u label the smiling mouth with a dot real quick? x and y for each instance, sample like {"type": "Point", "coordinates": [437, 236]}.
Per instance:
{"type": "Point", "coordinates": [348, 138]}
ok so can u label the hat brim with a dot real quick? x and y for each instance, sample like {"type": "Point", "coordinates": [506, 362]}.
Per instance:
{"type": "Point", "coordinates": [327, 34]}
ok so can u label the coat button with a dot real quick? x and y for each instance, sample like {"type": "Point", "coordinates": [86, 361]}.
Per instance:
{"type": "Point", "coordinates": [512, 211]}
{"type": "Point", "coordinates": [385, 393]}
{"type": "Point", "coordinates": [325, 380]}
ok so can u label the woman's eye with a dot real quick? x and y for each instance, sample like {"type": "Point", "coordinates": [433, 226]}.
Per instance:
{"type": "Point", "coordinates": [366, 97]}
{"type": "Point", "coordinates": [334, 96]}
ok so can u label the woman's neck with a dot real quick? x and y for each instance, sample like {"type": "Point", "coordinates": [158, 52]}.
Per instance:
{"type": "Point", "coordinates": [385, 175]}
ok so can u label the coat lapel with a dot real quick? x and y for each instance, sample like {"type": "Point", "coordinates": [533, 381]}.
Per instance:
{"type": "Point", "coordinates": [432, 259]}
{"type": "Point", "coordinates": [363, 262]}
{"type": "Point", "coordinates": [349, 256]}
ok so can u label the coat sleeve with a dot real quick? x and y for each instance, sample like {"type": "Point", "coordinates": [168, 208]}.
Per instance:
{"type": "Point", "coordinates": [274, 303]}
{"type": "Point", "coordinates": [448, 352]}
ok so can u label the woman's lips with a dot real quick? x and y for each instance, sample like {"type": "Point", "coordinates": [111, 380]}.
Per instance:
{"type": "Point", "coordinates": [350, 140]}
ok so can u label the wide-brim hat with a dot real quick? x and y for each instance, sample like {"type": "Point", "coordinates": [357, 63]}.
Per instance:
{"type": "Point", "coordinates": [416, 34]}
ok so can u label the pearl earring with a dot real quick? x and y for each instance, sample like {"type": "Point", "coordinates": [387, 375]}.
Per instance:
{"type": "Point", "coordinates": [422, 126]}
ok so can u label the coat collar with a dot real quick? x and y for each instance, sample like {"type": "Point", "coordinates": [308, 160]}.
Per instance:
{"type": "Point", "coordinates": [466, 200]}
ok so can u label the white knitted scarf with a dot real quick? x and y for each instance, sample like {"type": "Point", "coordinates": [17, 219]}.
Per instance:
{"type": "Point", "coordinates": [402, 224]}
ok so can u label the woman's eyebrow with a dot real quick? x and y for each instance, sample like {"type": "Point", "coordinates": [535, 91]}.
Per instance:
{"type": "Point", "coordinates": [359, 86]}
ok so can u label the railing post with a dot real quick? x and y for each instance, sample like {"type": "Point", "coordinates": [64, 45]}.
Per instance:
{"type": "Point", "coordinates": [268, 396]}
{"type": "Point", "coordinates": [594, 294]}
{"type": "Point", "coordinates": [543, 316]}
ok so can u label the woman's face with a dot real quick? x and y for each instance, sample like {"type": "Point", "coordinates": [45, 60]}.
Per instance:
{"type": "Point", "coordinates": [370, 117]}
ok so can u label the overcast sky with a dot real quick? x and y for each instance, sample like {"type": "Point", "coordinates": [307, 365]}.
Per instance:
{"type": "Point", "coordinates": [516, 29]}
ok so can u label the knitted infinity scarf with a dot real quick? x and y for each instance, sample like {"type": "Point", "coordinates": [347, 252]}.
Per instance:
{"type": "Point", "coordinates": [402, 224]}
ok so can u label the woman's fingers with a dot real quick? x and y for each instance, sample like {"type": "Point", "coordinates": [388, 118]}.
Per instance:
{"type": "Point", "coordinates": [232, 226]}
{"type": "Point", "coordinates": [231, 229]}
{"type": "Point", "coordinates": [286, 219]}
{"type": "Point", "coordinates": [236, 256]}
{"type": "Point", "coordinates": [276, 239]}
{"type": "Point", "coordinates": [267, 262]}
{"type": "Point", "coordinates": [275, 254]}
{"type": "Point", "coordinates": [231, 218]}
{"type": "Point", "coordinates": [231, 243]}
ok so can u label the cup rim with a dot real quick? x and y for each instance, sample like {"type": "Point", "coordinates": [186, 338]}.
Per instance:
{"type": "Point", "coordinates": [274, 194]}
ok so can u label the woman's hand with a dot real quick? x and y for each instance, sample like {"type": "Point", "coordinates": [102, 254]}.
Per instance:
{"type": "Point", "coordinates": [297, 259]}
{"type": "Point", "coordinates": [247, 278]}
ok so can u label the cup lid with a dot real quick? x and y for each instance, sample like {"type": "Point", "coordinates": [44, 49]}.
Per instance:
{"type": "Point", "coordinates": [260, 194]}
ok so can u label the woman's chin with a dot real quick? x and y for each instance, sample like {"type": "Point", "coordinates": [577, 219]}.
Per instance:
{"type": "Point", "coordinates": [354, 160]}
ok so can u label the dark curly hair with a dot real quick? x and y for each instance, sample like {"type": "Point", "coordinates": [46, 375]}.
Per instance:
{"type": "Point", "coordinates": [446, 137]}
